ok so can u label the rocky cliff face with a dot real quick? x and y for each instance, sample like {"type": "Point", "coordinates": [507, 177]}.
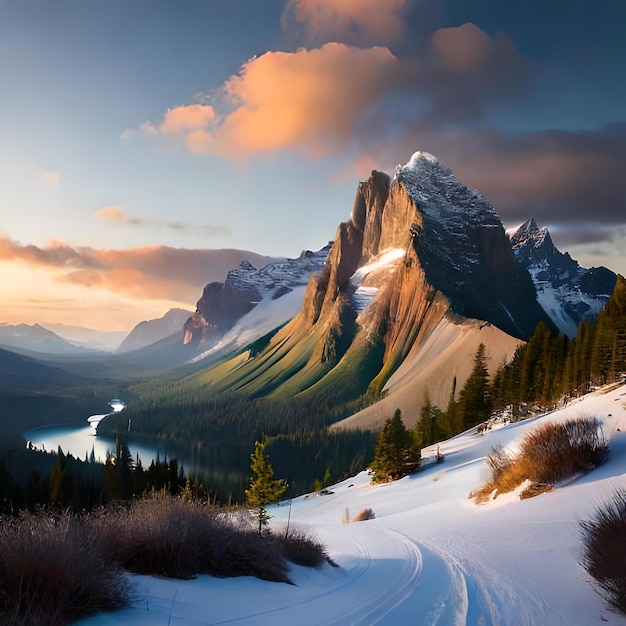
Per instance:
{"type": "Point", "coordinates": [418, 247]}
{"type": "Point", "coordinates": [568, 293]}
{"type": "Point", "coordinates": [451, 241]}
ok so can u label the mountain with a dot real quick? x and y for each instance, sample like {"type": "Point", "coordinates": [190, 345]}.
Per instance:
{"type": "Point", "coordinates": [88, 337]}
{"type": "Point", "coordinates": [222, 305]}
{"type": "Point", "coordinates": [422, 257]}
{"type": "Point", "coordinates": [567, 292]}
{"type": "Point", "coordinates": [36, 338]}
{"type": "Point", "coordinates": [151, 331]}
{"type": "Point", "coordinates": [21, 372]}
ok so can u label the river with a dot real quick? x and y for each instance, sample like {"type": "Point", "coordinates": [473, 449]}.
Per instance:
{"type": "Point", "coordinates": [81, 441]}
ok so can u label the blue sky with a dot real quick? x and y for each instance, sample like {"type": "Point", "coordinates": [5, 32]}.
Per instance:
{"type": "Point", "coordinates": [128, 128]}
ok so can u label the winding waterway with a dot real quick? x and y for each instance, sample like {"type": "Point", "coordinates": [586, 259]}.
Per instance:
{"type": "Point", "coordinates": [81, 441]}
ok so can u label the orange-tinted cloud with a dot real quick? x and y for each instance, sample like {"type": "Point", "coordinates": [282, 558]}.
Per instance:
{"type": "Point", "coordinates": [309, 100]}
{"type": "Point", "coordinates": [465, 49]}
{"type": "Point", "coordinates": [187, 118]}
{"type": "Point", "coordinates": [463, 70]}
{"type": "Point", "coordinates": [151, 272]}
{"type": "Point", "coordinates": [50, 177]}
{"type": "Point", "coordinates": [336, 97]}
{"type": "Point", "coordinates": [110, 213]}
{"type": "Point", "coordinates": [356, 22]}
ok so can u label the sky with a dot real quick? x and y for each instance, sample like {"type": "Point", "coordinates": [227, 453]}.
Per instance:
{"type": "Point", "coordinates": [137, 136]}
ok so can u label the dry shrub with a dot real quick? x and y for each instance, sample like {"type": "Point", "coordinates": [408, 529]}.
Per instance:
{"type": "Point", "coordinates": [482, 494]}
{"type": "Point", "coordinates": [168, 537]}
{"type": "Point", "coordinates": [557, 451]}
{"type": "Point", "coordinates": [53, 571]}
{"type": "Point", "coordinates": [550, 453]}
{"type": "Point", "coordinates": [604, 547]}
{"type": "Point", "coordinates": [507, 471]}
{"type": "Point", "coordinates": [302, 549]}
{"type": "Point", "coordinates": [535, 489]}
{"type": "Point", "coordinates": [364, 515]}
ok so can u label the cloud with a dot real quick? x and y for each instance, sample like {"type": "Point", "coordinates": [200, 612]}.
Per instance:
{"type": "Point", "coordinates": [187, 118]}
{"type": "Point", "coordinates": [573, 182]}
{"type": "Point", "coordinates": [110, 213]}
{"type": "Point", "coordinates": [335, 98]}
{"type": "Point", "coordinates": [355, 22]}
{"type": "Point", "coordinates": [146, 128]}
{"type": "Point", "coordinates": [309, 100]}
{"type": "Point", "coordinates": [115, 213]}
{"type": "Point", "coordinates": [150, 272]}
{"type": "Point", "coordinates": [50, 177]}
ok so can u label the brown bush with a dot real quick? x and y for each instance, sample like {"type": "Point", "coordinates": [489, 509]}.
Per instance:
{"type": "Point", "coordinates": [482, 494]}
{"type": "Point", "coordinates": [550, 453]}
{"type": "Point", "coordinates": [604, 547]}
{"type": "Point", "coordinates": [364, 515]}
{"type": "Point", "coordinates": [557, 451]}
{"type": "Point", "coordinates": [168, 537]}
{"type": "Point", "coordinates": [535, 489]}
{"type": "Point", "coordinates": [53, 571]}
{"type": "Point", "coordinates": [300, 548]}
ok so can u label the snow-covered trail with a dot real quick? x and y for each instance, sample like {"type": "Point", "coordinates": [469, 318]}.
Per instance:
{"type": "Point", "coordinates": [380, 571]}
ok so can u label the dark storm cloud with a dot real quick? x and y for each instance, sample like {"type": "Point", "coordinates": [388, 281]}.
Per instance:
{"type": "Point", "coordinates": [574, 180]}
{"type": "Point", "coordinates": [564, 177]}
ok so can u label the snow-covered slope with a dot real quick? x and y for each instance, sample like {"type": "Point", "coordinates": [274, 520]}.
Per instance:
{"type": "Point", "coordinates": [567, 292]}
{"type": "Point", "coordinates": [430, 556]}
{"type": "Point", "coordinates": [269, 314]}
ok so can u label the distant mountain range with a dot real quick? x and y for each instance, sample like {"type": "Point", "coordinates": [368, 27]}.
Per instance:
{"type": "Point", "coordinates": [149, 332]}
{"type": "Point", "coordinates": [36, 338]}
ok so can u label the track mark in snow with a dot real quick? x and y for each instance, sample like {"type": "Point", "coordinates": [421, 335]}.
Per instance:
{"type": "Point", "coordinates": [493, 599]}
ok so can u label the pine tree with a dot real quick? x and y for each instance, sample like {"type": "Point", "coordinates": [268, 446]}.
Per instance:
{"type": "Point", "coordinates": [118, 473]}
{"type": "Point", "coordinates": [264, 489]}
{"type": "Point", "coordinates": [58, 478]}
{"type": "Point", "coordinates": [475, 397]}
{"type": "Point", "coordinates": [397, 453]}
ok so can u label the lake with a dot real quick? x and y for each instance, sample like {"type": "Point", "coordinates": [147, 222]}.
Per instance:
{"type": "Point", "coordinates": [80, 441]}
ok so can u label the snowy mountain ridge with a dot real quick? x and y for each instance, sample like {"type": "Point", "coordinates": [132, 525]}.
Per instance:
{"type": "Point", "coordinates": [567, 292]}
{"type": "Point", "coordinates": [276, 279]}
{"type": "Point", "coordinates": [223, 305]}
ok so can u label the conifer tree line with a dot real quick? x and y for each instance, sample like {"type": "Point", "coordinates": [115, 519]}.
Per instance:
{"type": "Point", "coordinates": [547, 370]}
{"type": "Point", "coordinates": [61, 480]}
